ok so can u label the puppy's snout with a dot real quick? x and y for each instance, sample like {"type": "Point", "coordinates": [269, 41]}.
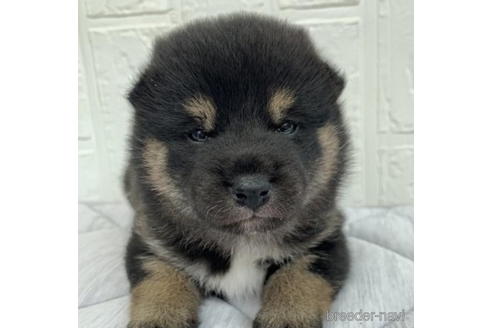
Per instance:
{"type": "Point", "coordinates": [252, 191]}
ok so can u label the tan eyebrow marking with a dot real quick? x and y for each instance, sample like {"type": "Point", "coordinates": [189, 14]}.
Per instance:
{"type": "Point", "coordinates": [203, 109]}
{"type": "Point", "coordinates": [280, 102]}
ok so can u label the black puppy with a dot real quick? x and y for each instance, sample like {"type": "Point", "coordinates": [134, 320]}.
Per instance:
{"type": "Point", "coordinates": [237, 152]}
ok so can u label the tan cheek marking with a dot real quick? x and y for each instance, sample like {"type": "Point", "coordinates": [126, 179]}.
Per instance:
{"type": "Point", "coordinates": [166, 297]}
{"type": "Point", "coordinates": [327, 163]}
{"type": "Point", "coordinates": [155, 158]}
{"type": "Point", "coordinates": [131, 191]}
{"type": "Point", "coordinates": [155, 161]}
{"type": "Point", "coordinates": [295, 296]}
{"type": "Point", "coordinates": [203, 109]}
{"type": "Point", "coordinates": [279, 103]}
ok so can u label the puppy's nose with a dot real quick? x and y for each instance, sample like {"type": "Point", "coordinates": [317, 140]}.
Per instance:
{"type": "Point", "coordinates": [251, 191]}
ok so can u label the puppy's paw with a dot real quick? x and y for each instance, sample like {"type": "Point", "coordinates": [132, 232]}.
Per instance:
{"type": "Point", "coordinates": [289, 319]}
{"type": "Point", "coordinates": [159, 323]}
{"type": "Point", "coordinates": [294, 297]}
{"type": "Point", "coordinates": [162, 315]}
{"type": "Point", "coordinates": [165, 298]}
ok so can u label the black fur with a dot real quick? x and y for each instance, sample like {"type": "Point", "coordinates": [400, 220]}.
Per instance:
{"type": "Point", "coordinates": [135, 250]}
{"type": "Point", "coordinates": [333, 260]}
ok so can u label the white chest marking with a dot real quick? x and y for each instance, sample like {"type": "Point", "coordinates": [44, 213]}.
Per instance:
{"type": "Point", "coordinates": [244, 277]}
{"type": "Point", "coordinates": [242, 284]}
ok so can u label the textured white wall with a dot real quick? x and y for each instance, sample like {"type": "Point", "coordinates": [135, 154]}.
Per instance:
{"type": "Point", "coordinates": [371, 41]}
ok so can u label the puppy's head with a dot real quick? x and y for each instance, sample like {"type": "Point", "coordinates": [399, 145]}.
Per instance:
{"type": "Point", "coordinates": [237, 125]}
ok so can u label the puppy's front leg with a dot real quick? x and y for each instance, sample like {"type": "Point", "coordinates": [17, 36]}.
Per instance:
{"type": "Point", "coordinates": [294, 297]}
{"type": "Point", "coordinates": [299, 294]}
{"type": "Point", "coordinates": [163, 298]}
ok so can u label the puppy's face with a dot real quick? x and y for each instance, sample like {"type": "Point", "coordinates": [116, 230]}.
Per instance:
{"type": "Point", "coordinates": [242, 141]}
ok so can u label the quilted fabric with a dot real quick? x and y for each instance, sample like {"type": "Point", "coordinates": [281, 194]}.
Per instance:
{"type": "Point", "coordinates": [381, 279]}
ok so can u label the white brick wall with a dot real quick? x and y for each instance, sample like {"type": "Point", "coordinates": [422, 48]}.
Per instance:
{"type": "Point", "coordinates": [371, 41]}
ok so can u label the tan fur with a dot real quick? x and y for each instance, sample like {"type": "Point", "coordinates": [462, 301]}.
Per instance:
{"type": "Point", "coordinates": [131, 190]}
{"type": "Point", "coordinates": [155, 161]}
{"type": "Point", "coordinates": [326, 164]}
{"type": "Point", "coordinates": [165, 298]}
{"type": "Point", "coordinates": [280, 102]}
{"type": "Point", "coordinates": [295, 297]}
{"type": "Point", "coordinates": [142, 228]}
{"type": "Point", "coordinates": [203, 109]}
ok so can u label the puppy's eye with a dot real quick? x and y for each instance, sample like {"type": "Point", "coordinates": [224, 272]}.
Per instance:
{"type": "Point", "coordinates": [198, 135]}
{"type": "Point", "coordinates": [288, 127]}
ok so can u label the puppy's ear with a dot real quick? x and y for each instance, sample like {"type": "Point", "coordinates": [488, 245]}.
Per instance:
{"type": "Point", "coordinates": [336, 81]}
{"type": "Point", "coordinates": [141, 95]}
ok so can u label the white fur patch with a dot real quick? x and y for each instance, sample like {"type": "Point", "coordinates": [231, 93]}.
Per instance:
{"type": "Point", "coordinates": [242, 284]}
{"type": "Point", "coordinates": [244, 277]}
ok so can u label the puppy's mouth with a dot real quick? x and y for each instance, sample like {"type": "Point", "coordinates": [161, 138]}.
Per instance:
{"type": "Point", "coordinates": [256, 217]}
{"type": "Point", "coordinates": [248, 221]}
{"type": "Point", "coordinates": [254, 224]}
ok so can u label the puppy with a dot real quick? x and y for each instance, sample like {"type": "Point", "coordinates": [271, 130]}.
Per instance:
{"type": "Point", "coordinates": [237, 152]}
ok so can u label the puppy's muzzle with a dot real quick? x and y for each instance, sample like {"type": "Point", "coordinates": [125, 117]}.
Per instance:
{"type": "Point", "coordinates": [252, 191]}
